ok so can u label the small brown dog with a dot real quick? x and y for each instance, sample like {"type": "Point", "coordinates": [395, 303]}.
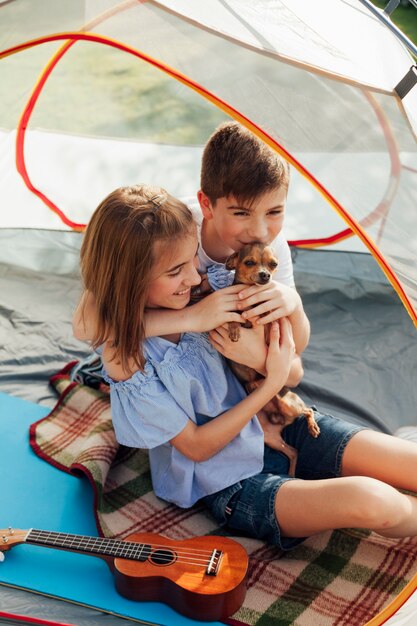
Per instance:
{"type": "Point", "coordinates": [255, 264]}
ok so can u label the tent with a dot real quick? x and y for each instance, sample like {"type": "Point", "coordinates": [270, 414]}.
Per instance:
{"type": "Point", "coordinates": [99, 93]}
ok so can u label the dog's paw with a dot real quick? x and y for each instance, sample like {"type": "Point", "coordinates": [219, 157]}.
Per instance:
{"type": "Point", "coordinates": [234, 331]}
{"type": "Point", "coordinates": [313, 429]}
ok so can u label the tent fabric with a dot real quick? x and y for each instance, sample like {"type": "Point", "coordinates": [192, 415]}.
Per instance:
{"type": "Point", "coordinates": [78, 120]}
{"type": "Point", "coordinates": [353, 141]}
{"type": "Point", "coordinates": [102, 164]}
{"type": "Point", "coordinates": [361, 362]}
{"type": "Point", "coordinates": [298, 31]}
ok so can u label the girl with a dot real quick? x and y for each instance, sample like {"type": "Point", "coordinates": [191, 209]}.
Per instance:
{"type": "Point", "coordinates": [175, 395]}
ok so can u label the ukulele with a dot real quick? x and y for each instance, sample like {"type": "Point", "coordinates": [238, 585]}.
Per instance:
{"type": "Point", "coordinates": [203, 578]}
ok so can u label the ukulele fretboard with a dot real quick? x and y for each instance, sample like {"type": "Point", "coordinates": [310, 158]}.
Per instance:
{"type": "Point", "coordinates": [90, 545]}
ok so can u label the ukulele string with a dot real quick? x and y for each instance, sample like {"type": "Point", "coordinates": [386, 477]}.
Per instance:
{"type": "Point", "coordinates": [179, 557]}
{"type": "Point", "coordinates": [101, 540]}
{"type": "Point", "coordinates": [161, 546]}
{"type": "Point", "coordinates": [197, 558]}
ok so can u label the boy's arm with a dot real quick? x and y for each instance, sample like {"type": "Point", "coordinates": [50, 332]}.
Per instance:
{"type": "Point", "coordinates": [273, 301]}
{"type": "Point", "coordinates": [296, 372]}
{"type": "Point", "coordinates": [251, 350]}
{"type": "Point", "coordinates": [300, 327]}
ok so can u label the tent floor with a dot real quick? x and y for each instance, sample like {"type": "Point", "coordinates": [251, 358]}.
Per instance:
{"type": "Point", "coordinates": [361, 363]}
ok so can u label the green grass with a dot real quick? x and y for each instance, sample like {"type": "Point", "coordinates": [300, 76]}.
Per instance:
{"type": "Point", "coordinates": [405, 17]}
{"type": "Point", "coordinates": [120, 96]}
{"type": "Point", "coordinates": [96, 90]}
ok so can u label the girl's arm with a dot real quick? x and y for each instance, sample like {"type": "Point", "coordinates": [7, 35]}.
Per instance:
{"type": "Point", "coordinates": [216, 309]}
{"type": "Point", "coordinates": [199, 443]}
{"type": "Point", "coordinates": [84, 320]}
{"type": "Point", "coordinates": [220, 307]}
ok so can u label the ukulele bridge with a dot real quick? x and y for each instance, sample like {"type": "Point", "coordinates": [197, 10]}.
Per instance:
{"type": "Point", "coordinates": [214, 563]}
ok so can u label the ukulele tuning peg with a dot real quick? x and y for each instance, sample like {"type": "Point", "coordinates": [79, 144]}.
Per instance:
{"type": "Point", "coordinates": [2, 557]}
{"type": "Point", "coordinates": [11, 531]}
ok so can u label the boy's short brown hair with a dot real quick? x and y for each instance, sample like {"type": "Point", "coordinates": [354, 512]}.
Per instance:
{"type": "Point", "coordinates": [236, 163]}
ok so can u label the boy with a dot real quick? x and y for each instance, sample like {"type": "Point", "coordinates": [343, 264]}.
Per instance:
{"type": "Point", "coordinates": [244, 187]}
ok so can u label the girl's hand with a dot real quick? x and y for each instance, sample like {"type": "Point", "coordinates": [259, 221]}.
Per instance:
{"type": "Point", "coordinates": [215, 310]}
{"type": "Point", "coordinates": [274, 299]}
{"type": "Point", "coordinates": [250, 350]}
{"type": "Point", "coordinates": [281, 352]}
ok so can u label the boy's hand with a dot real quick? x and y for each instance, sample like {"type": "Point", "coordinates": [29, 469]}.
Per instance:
{"type": "Point", "coordinates": [215, 310]}
{"type": "Point", "coordinates": [296, 372]}
{"type": "Point", "coordinates": [281, 352]}
{"type": "Point", "coordinates": [274, 299]}
{"type": "Point", "coordinates": [250, 350]}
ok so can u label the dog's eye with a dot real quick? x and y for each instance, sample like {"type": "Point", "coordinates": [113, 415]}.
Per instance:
{"type": "Point", "coordinates": [273, 264]}
{"type": "Point", "coordinates": [250, 263]}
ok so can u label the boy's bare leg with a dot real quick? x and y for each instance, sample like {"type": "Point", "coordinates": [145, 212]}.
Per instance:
{"type": "Point", "coordinates": [306, 507]}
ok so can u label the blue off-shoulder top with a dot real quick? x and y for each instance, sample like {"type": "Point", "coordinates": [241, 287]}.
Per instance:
{"type": "Point", "coordinates": [185, 381]}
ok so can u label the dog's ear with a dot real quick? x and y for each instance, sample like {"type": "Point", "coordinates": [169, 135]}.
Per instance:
{"type": "Point", "coordinates": [231, 261]}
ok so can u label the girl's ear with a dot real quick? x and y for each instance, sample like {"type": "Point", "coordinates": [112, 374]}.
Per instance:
{"type": "Point", "coordinates": [231, 261]}
{"type": "Point", "coordinates": [205, 205]}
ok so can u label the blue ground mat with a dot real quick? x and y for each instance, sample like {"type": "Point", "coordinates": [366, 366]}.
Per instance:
{"type": "Point", "coordinates": [37, 495]}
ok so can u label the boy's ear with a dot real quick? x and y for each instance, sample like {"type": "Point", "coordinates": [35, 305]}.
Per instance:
{"type": "Point", "coordinates": [205, 205]}
{"type": "Point", "coordinates": [231, 261]}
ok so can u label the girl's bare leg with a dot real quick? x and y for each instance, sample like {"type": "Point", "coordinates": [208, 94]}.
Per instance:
{"type": "Point", "coordinates": [387, 458]}
{"type": "Point", "coordinates": [374, 465]}
{"type": "Point", "coordinates": [307, 507]}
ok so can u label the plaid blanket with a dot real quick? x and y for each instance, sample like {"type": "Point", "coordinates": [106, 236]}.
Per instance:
{"type": "Point", "coordinates": [340, 578]}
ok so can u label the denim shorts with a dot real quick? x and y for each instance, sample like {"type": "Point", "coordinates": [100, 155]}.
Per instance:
{"type": "Point", "coordinates": [249, 505]}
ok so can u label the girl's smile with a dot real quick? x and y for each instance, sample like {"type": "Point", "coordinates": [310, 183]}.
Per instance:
{"type": "Point", "coordinates": [171, 282]}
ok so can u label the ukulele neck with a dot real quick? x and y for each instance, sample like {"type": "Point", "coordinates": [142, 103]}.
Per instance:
{"type": "Point", "coordinates": [94, 546]}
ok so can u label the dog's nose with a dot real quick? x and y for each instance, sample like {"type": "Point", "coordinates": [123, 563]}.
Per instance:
{"type": "Point", "coordinates": [264, 276]}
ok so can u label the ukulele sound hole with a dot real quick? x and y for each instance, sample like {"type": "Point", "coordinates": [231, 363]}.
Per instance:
{"type": "Point", "coordinates": [162, 557]}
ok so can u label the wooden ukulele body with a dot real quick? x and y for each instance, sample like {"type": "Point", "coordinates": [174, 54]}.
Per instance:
{"type": "Point", "coordinates": [189, 590]}
{"type": "Point", "coordinates": [203, 578]}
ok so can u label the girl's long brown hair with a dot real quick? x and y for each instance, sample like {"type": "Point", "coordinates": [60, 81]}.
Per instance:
{"type": "Point", "coordinates": [117, 257]}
